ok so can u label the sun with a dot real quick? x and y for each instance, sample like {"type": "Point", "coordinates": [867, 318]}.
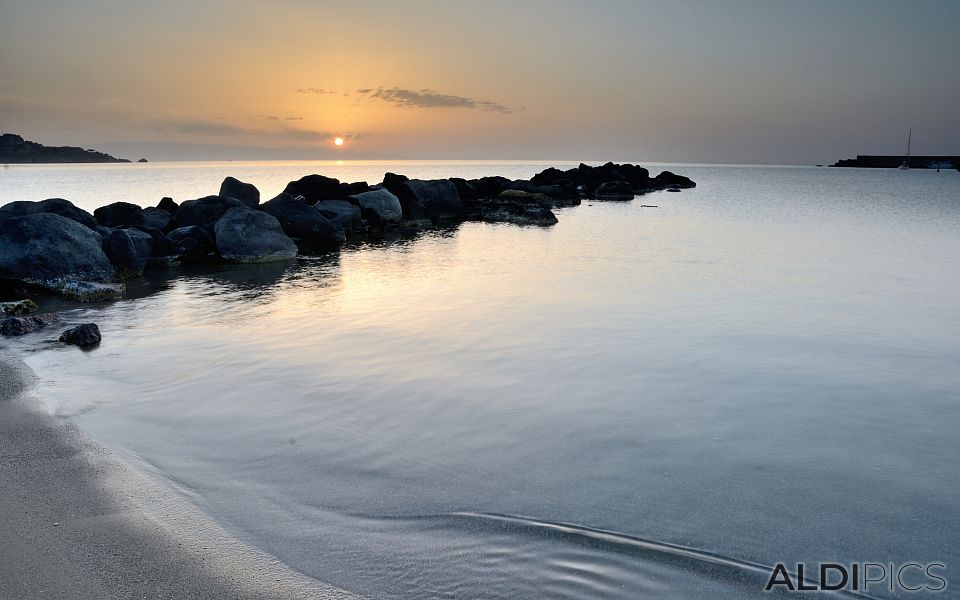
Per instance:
{"type": "Point", "coordinates": [338, 141]}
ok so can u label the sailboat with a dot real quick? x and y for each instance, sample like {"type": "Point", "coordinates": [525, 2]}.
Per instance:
{"type": "Point", "coordinates": [905, 165]}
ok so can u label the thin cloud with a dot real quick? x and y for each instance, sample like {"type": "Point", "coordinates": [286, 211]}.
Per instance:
{"type": "Point", "coordinates": [427, 98]}
{"type": "Point", "coordinates": [314, 91]}
{"type": "Point", "coordinates": [202, 128]}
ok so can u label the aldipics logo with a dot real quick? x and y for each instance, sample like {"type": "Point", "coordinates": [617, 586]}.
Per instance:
{"type": "Point", "coordinates": [859, 577]}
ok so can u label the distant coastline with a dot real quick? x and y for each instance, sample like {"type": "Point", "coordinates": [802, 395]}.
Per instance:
{"type": "Point", "coordinates": [868, 161]}
{"type": "Point", "coordinates": [15, 150]}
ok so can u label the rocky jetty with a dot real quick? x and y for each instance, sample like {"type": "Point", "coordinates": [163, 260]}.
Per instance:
{"type": "Point", "coordinates": [14, 149]}
{"type": "Point", "coordinates": [54, 245]}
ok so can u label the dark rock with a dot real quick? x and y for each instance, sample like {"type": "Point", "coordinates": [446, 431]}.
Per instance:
{"type": "Point", "coordinates": [673, 189]}
{"type": "Point", "coordinates": [19, 307]}
{"type": "Point", "coordinates": [465, 189]}
{"type": "Point", "coordinates": [247, 193]}
{"type": "Point", "coordinates": [380, 208]}
{"type": "Point", "coordinates": [615, 190]}
{"type": "Point", "coordinates": [561, 195]}
{"type": "Point", "coordinates": [165, 252]}
{"type": "Point", "coordinates": [89, 291]}
{"type": "Point", "coordinates": [668, 180]}
{"type": "Point", "coordinates": [314, 188]}
{"type": "Point", "coordinates": [524, 197]}
{"type": "Point", "coordinates": [349, 189]}
{"type": "Point", "coordinates": [168, 205]}
{"type": "Point", "coordinates": [505, 209]}
{"type": "Point", "coordinates": [55, 206]}
{"type": "Point", "coordinates": [252, 236]}
{"type": "Point", "coordinates": [119, 214]}
{"type": "Point", "coordinates": [345, 215]}
{"type": "Point", "coordinates": [142, 160]}
{"type": "Point", "coordinates": [156, 218]}
{"type": "Point", "coordinates": [48, 250]}
{"type": "Point", "coordinates": [24, 325]}
{"type": "Point", "coordinates": [85, 335]}
{"type": "Point", "coordinates": [435, 199]}
{"type": "Point", "coordinates": [304, 223]}
{"type": "Point", "coordinates": [193, 243]}
{"type": "Point", "coordinates": [489, 187]}
{"type": "Point", "coordinates": [129, 250]}
{"type": "Point", "coordinates": [204, 212]}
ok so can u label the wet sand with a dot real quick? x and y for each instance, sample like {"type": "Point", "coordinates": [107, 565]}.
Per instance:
{"type": "Point", "coordinates": [78, 523]}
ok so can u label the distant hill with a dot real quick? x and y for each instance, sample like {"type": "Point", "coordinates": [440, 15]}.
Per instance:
{"type": "Point", "coordinates": [14, 149]}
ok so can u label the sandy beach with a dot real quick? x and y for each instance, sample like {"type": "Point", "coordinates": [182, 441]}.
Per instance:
{"type": "Point", "coordinates": [78, 523]}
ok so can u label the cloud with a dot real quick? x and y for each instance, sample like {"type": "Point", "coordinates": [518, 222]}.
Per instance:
{"type": "Point", "coordinates": [313, 90]}
{"type": "Point", "coordinates": [202, 128]}
{"type": "Point", "coordinates": [427, 98]}
{"type": "Point", "coordinates": [276, 118]}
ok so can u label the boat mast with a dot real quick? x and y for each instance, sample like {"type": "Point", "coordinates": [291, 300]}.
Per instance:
{"type": "Point", "coordinates": [906, 157]}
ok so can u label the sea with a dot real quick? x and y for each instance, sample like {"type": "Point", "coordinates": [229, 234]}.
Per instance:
{"type": "Point", "coordinates": [660, 398]}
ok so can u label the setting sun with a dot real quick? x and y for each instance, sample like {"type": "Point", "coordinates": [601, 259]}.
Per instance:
{"type": "Point", "coordinates": [338, 141]}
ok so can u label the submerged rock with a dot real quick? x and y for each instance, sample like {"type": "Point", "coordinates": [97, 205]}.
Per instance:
{"type": "Point", "coordinates": [615, 190]}
{"type": "Point", "coordinates": [89, 291]}
{"type": "Point", "coordinates": [85, 335]}
{"type": "Point", "coordinates": [54, 206]}
{"type": "Point", "coordinates": [252, 236]}
{"type": "Point", "coordinates": [48, 250]}
{"type": "Point", "coordinates": [19, 307]}
{"type": "Point", "coordinates": [24, 325]}
{"type": "Point", "coordinates": [247, 193]}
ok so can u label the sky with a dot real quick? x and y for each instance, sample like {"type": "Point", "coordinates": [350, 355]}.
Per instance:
{"type": "Point", "coordinates": [735, 81]}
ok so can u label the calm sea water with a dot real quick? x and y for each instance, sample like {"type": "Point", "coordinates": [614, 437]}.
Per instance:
{"type": "Point", "coordinates": [634, 403]}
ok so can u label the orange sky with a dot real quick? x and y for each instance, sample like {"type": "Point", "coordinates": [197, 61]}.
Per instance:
{"type": "Point", "coordinates": [748, 82]}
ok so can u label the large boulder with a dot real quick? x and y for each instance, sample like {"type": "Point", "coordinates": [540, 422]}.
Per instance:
{"type": "Point", "coordinates": [55, 206]}
{"type": "Point", "coordinates": [435, 199]}
{"type": "Point", "coordinates": [119, 214]}
{"type": "Point", "coordinates": [128, 250]}
{"type": "Point", "coordinates": [165, 252]}
{"type": "Point", "coordinates": [615, 190]}
{"type": "Point", "coordinates": [247, 193]}
{"type": "Point", "coordinates": [251, 236]}
{"type": "Point", "coordinates": [380, 208]}
{"type": "Point", "coordinates": [489, 187]}
{"type": "Point", "coordinates": [156, 218]}
{"type": "Point", "coordinates": [204, 212]}
{"type": "Point", "coordinates": [48, 250]}
{"type": "Point", "coordinates": [345, 215]}
{"type": "Point", "coordinates": [304, 223]}
{"type": "Point", "coordinates": [314, 188]}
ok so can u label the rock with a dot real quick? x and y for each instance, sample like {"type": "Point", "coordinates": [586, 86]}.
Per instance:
{"type": "Point", "coordinates": [380, 208]}
{"type": "Point", "coordinates": [489, 187]}
{"type": "Point", "coordinates": [672, 180]}
{"type": "Point", "coordinates": [251, 236]}
{"type": "Point", "coordinates": [435, 199]}
{"type": "Point", "coordinates": [514, 210]}
{"type": "Point", "coordinates": [349, 189]}
{"type": "Point", "coordinates": [119, 214]}
{"type": "Point", "coordinates": [304, 223]}
{"type": "Point", "coordinates": [588, 178]}
{"type": "Point", "coordinates": [314, 188]}
{"type": "Point", "coordinates": [142, 160]}
{"type": "Point", "coordinates": [204, 212]}
{"type": "Point", "coordinates": [560, 194]}
{"type": "Point", "coordinates": [465, 189]}
{"type": "Point", "coordinates": [19, 307]}
{"type": "Point", "coordinates": [615, 190]}
{"type": "Point", "coordinates": [49, 250]}
{"type": "Point", "coordinates": [247, 193]}
{"type": "Point", "coordinates": [520, 196]}
{"type": "Point", "coordinates": [24, 325]}
{"type": "Point", "coordinates": [129, 251]}
{"type": "Point", "coordinates": [55, 206]}
{"type": "Point", "coordinates": [345, 215]}
{"type": "Point", "coordinates": [165, 252]}
{"type": "Point", "coordinates": [89, 291]}
{"type": "Point", "coordinates": [168, 205]}
{"type": "Point", "coordinates": [673, 189]}
{"type": "Point", "coordinates": [85, 335]}
{"type": "Point", "coordinates": [193, 243]}
{"type": "Point", "coordinates": [156, 218]}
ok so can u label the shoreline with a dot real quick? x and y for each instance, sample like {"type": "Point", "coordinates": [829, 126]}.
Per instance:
{"type": "Point", "coordinates": [81, 523]}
